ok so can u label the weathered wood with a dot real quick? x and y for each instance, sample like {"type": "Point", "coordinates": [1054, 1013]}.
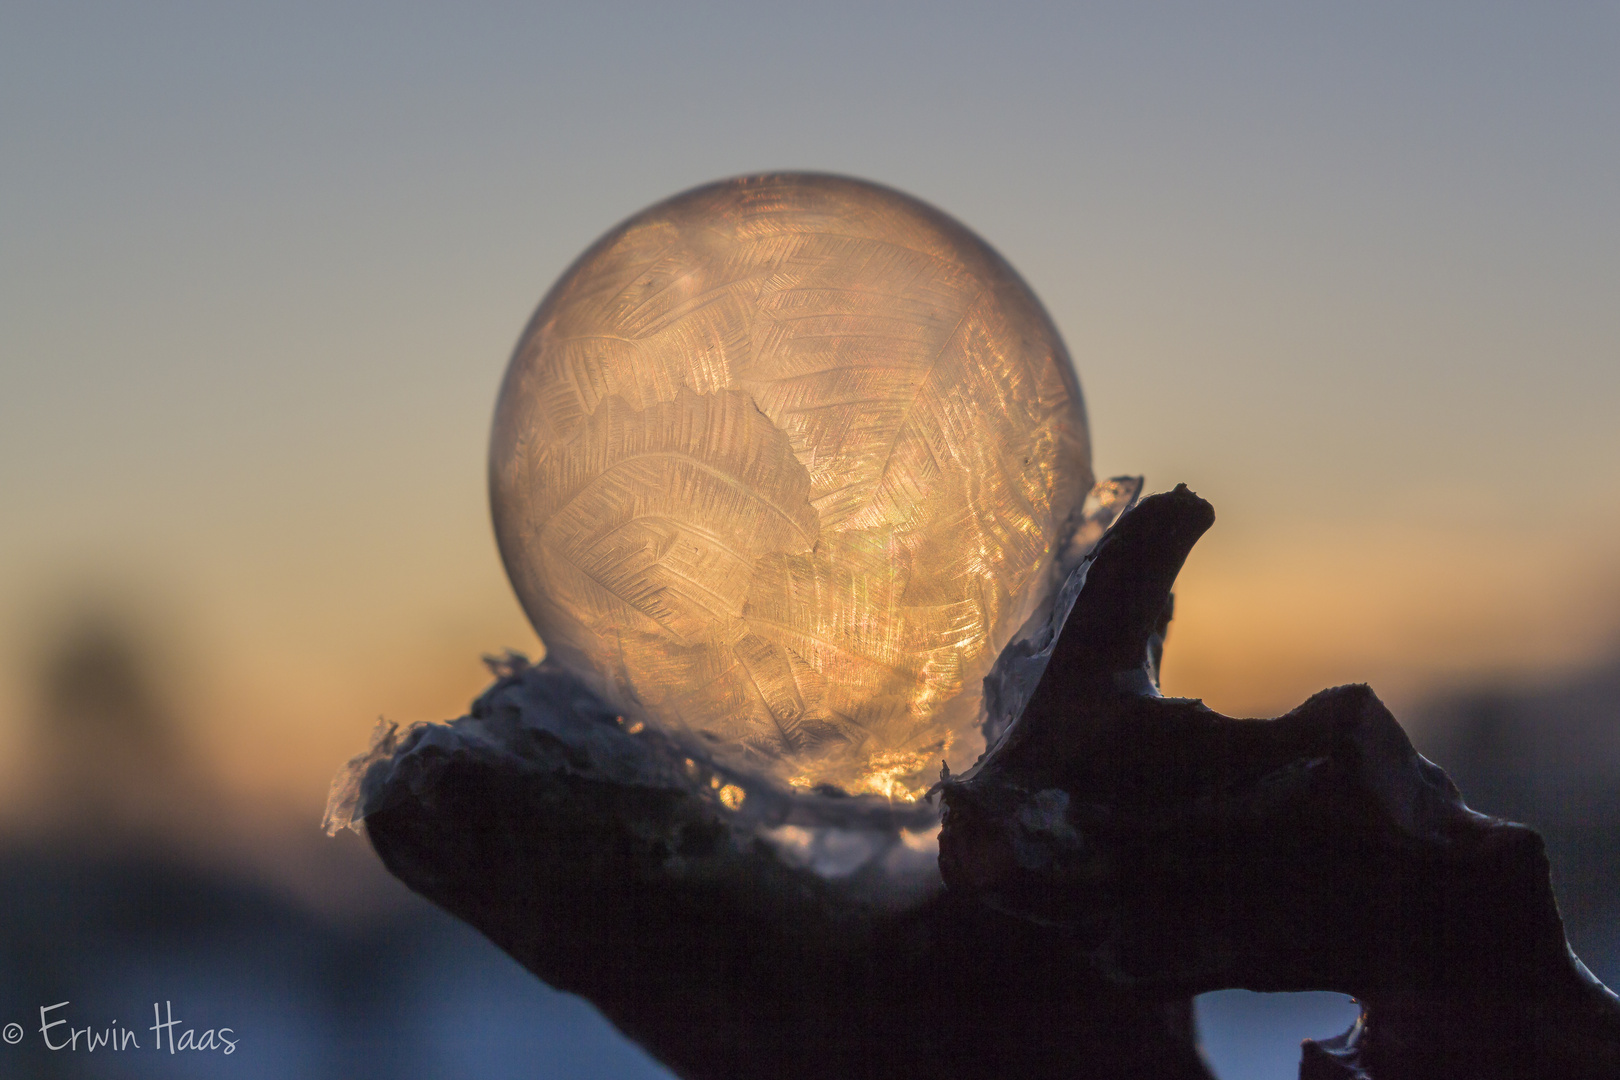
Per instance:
{"type": "Point", "coordinates": [1317, 851]}
{"type": "Point", "coordinates": [1113, 853]}
{"type": "Point", "coordinates": [605, 867]}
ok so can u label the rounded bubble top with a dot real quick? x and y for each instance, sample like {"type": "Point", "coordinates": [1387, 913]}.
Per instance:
{"type": "Point", "coordinates": [780, 465]}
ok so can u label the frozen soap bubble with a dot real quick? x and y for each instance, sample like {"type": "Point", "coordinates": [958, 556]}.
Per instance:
{"type": "Point", "coordinates": [780, 465]}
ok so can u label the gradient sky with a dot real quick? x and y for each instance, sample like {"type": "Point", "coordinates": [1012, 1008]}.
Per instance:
{"type": "Point", "coordinates": [1350, 271]}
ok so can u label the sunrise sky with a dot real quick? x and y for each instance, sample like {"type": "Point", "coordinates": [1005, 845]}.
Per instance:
{"type": "Point", "coordinates": [1352, 272]}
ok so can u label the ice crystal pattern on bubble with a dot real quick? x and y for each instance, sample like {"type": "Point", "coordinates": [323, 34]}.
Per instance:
{"type": "Point", "coordinates": [781, 464]}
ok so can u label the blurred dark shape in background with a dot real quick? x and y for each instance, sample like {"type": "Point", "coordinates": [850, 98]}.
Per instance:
{"type": "Point", "coordinates": [110, 762]}
{"type": "Point", "coordinates": [128, 879]}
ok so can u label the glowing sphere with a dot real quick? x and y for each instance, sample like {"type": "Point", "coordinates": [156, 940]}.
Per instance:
{"type": "Point", "coordinates": [780, 465]}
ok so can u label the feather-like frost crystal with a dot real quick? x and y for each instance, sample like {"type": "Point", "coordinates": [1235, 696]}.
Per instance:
{"type": "Point", "coordinates": [780, 465]}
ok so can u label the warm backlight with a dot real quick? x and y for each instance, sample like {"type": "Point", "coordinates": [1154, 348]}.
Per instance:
{"type": "Point", "coordinates": [780, 465]}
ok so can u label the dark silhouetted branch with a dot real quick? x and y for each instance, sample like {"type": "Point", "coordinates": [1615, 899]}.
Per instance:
{"type": "Point", "coordinates": [1114, 853]}
{"type": "Point", "coordinates": [1318, 851]}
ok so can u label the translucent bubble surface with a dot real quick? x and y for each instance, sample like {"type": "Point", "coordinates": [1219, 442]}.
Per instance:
{"type": "Point", "coordinates": [780, 465]}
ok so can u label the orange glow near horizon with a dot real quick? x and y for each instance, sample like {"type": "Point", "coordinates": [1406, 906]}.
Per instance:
{"type": "Point", "coordinates": [1262, 621]}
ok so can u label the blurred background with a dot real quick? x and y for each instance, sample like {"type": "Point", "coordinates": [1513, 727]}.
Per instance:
{"type": "Point", "coordinates": [1348, 271]}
